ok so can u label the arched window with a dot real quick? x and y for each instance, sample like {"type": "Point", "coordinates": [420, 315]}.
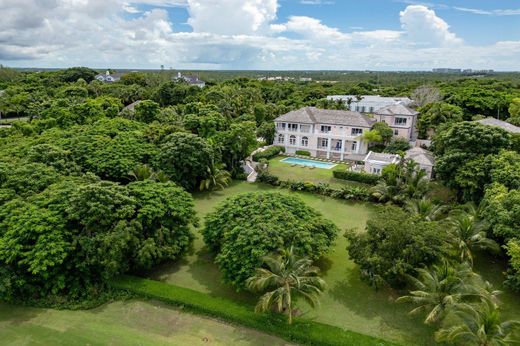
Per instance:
{"type": "Point", "coordinates": [281, 138]}
{"type": "Point", "coordinates": [305, 142]}
{"type": "Point", "coordinates": [292, 140]}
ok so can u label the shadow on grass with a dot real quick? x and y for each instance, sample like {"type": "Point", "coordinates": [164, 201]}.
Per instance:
{"type": "Point", "coordinates": [206, 273]}
{"type": "Point", "coordinates": [365, 301]}
{"type": "Point", "coordinates": [17, 315]}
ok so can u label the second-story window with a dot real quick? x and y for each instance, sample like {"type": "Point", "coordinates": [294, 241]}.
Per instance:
{"type": "Point", "coordinates": [325, 128]}
{"type": "Point", "coordinates": [324, 142]}
{"type": "Point", "coordinates": [281, 126]}
{"type": "Point", "coordinates": [293, 127]}
{"type": "Point", "coordinates": [355, 131]}
{"type": "Point", "coordinates": [400, 121]}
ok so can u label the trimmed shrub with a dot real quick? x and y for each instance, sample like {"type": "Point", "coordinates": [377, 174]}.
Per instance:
{"type": "Point", "coordinates": [365, 178]}
{"type": "Point", "coordinates": [268, 153]}
{"type": "Point", "coordinates": [303, 152]}
{"type": "Point", "coordinates": [265, 177]}
{"type": "Point", "coordinates": [300, 331]}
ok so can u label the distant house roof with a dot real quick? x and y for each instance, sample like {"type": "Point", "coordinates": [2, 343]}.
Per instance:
{"type": "Point", "coordinates": [192, 80]}
{"type": "Point", "coordinates": [396, 110]}
{"type": "Point", "coordinates": [382, 157]}
{"type": "Point", "coordinates": [421, 156]}
{"type": "Point", "coordinates": [108, 77]}
{"type": "Point", "coordinates": [372, 98]}
{"type": "Point", "coordinates": [312, 115]}
{"type": "Point", "coordinates": [499, 123]}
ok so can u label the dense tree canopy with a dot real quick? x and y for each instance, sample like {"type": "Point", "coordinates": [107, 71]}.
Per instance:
{"type": "Point", "coordinates": [185, 157]}
{"type": "Point", "coordinates": [246, 227]}
{"type": "Point", "coordinates": [80, 232]}
{"type": "Point", "coordinates": [464, 156]}
{"type": "Point", "coordinates": [393, 245]}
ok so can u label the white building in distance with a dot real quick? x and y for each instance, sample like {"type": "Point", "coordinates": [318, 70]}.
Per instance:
{"type": "Point", "coordinates": [369, 103]}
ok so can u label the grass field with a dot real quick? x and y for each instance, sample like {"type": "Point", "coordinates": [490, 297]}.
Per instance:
{"type": "Point", "coordinates": [285, 171]}
{"type": "Point", "coordinates": [121, 323]}
{"type": "Point", "coordinates": [348, 302]}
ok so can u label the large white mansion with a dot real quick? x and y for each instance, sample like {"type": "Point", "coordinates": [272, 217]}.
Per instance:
{"type": "Point", "coordinates": [338, 134]}
{"type": "Point", "coordinates": [331, 134]}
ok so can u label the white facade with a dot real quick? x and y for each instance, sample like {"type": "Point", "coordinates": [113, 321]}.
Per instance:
{"type": "Point", "coordinates": [320, 135]}
{"type": "Point", "coordinates": [369, 103]}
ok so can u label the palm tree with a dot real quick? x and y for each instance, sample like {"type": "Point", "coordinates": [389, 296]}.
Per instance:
{"type": "Point", "coordinates": [425, 209]}
{"type": "Point", "coordinates": [284, 277]}
{"type": "Point", "coordinates": [480, 325]}
{"type": "Point", "coordinates": [141, 172]}
{"type": "Point", "coordinates": [217, 178]}
{"type": "Point", "coordinates": [468, 233]}
{"type": "Point", "coordinates": [438, 289]}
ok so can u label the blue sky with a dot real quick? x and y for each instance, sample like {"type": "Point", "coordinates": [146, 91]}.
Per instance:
{"type": "Point", "coordinates": [261, 34]}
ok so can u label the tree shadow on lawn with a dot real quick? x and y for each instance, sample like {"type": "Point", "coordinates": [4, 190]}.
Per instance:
{"type": "Point", "coordinates": [16, 315]}
{"type": "Point", "coordinates": [206, 272]}
{"type": "Point", "coordinates": [363, 300]}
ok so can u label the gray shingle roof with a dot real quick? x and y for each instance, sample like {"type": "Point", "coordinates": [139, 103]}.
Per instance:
{"type": "Point", "coordinates": [499, 123]}
{"type": "Point", "coordinates": [382, 157]}
{"type": "Point", "coordinates": [396, 110]}
{"type": "Point", "coordinates": [420, 155]}
{"type": "Point", "coordinates": [312, 115]}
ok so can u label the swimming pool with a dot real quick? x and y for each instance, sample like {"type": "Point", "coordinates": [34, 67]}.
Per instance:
{"type": "Point", "coordinates": [308, 163]}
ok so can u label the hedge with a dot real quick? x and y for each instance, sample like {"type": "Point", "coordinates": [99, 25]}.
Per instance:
{"type": "Point", "coordinates": [303, 152]}
{"type": "Point", "coordinates": [357, 193]}
{"type": "Point", "coordinates": [301, 331]}
{"type": "Point", "coordinates": [366, 178]}
{"type": "Point", "coordinates": [268, 153]}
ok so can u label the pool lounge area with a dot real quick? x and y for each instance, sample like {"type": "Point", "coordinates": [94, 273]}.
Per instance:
{"type": "Point", "coordinates": [308, 163]}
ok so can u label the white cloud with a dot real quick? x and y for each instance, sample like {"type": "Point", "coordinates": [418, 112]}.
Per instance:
{"type": "Point", "coordinates": [312, 29]}
{"type": "Point", "coordinates": [424, 27]}
{"type": "Point", "coordinates": [227, 34]}
{"type": "Point", "coordinates": [497, 12]}
{"type": "Point", "coordinates": [231, 17]}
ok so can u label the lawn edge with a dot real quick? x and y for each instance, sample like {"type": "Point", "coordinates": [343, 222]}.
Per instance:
{"type": "Point", "coordinates": [301, 331]}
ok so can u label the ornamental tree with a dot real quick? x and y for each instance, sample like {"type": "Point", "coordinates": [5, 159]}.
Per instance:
{"type": "Point", "coordinates": [245, 228]}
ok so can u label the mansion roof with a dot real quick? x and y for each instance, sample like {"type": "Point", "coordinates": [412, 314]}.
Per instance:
{"type": "Point", "coordinates": [421, 156]}
{"type": "Point", "coordinates": [499, 123]}
{"type": "Point", "coordinates": [396, 110]}
{"type": "Point", "coordinates": [312, 115]}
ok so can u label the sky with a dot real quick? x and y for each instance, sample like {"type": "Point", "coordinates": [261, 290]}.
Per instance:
{"type": "Point", "coordinates": [261, 34]}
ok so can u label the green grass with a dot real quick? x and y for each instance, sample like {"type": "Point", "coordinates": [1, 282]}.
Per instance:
{"type": "Point", "coordinates": [285, 171]}
{"type": "Point", "coordinates": [121, 323]}
{"type": "Point", "coordinates": [302, 330]}
{"type": "Point", "coordinates": [348, 302]}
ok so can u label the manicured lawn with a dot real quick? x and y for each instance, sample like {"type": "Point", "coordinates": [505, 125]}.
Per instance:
{"type": "Point", "coordinates": [121, 323]}
{"type": "Point", "coordinates": [285, 171]}
{"type": "Point", "coordinates": [348, 302]}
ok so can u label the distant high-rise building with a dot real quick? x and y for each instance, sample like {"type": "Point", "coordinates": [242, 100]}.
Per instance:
{"type": "Point", "coordinates": [447, 70]}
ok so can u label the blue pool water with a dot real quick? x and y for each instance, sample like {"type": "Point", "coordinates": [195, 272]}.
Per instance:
{"type": "Point", "coordinates": [305, 162]}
